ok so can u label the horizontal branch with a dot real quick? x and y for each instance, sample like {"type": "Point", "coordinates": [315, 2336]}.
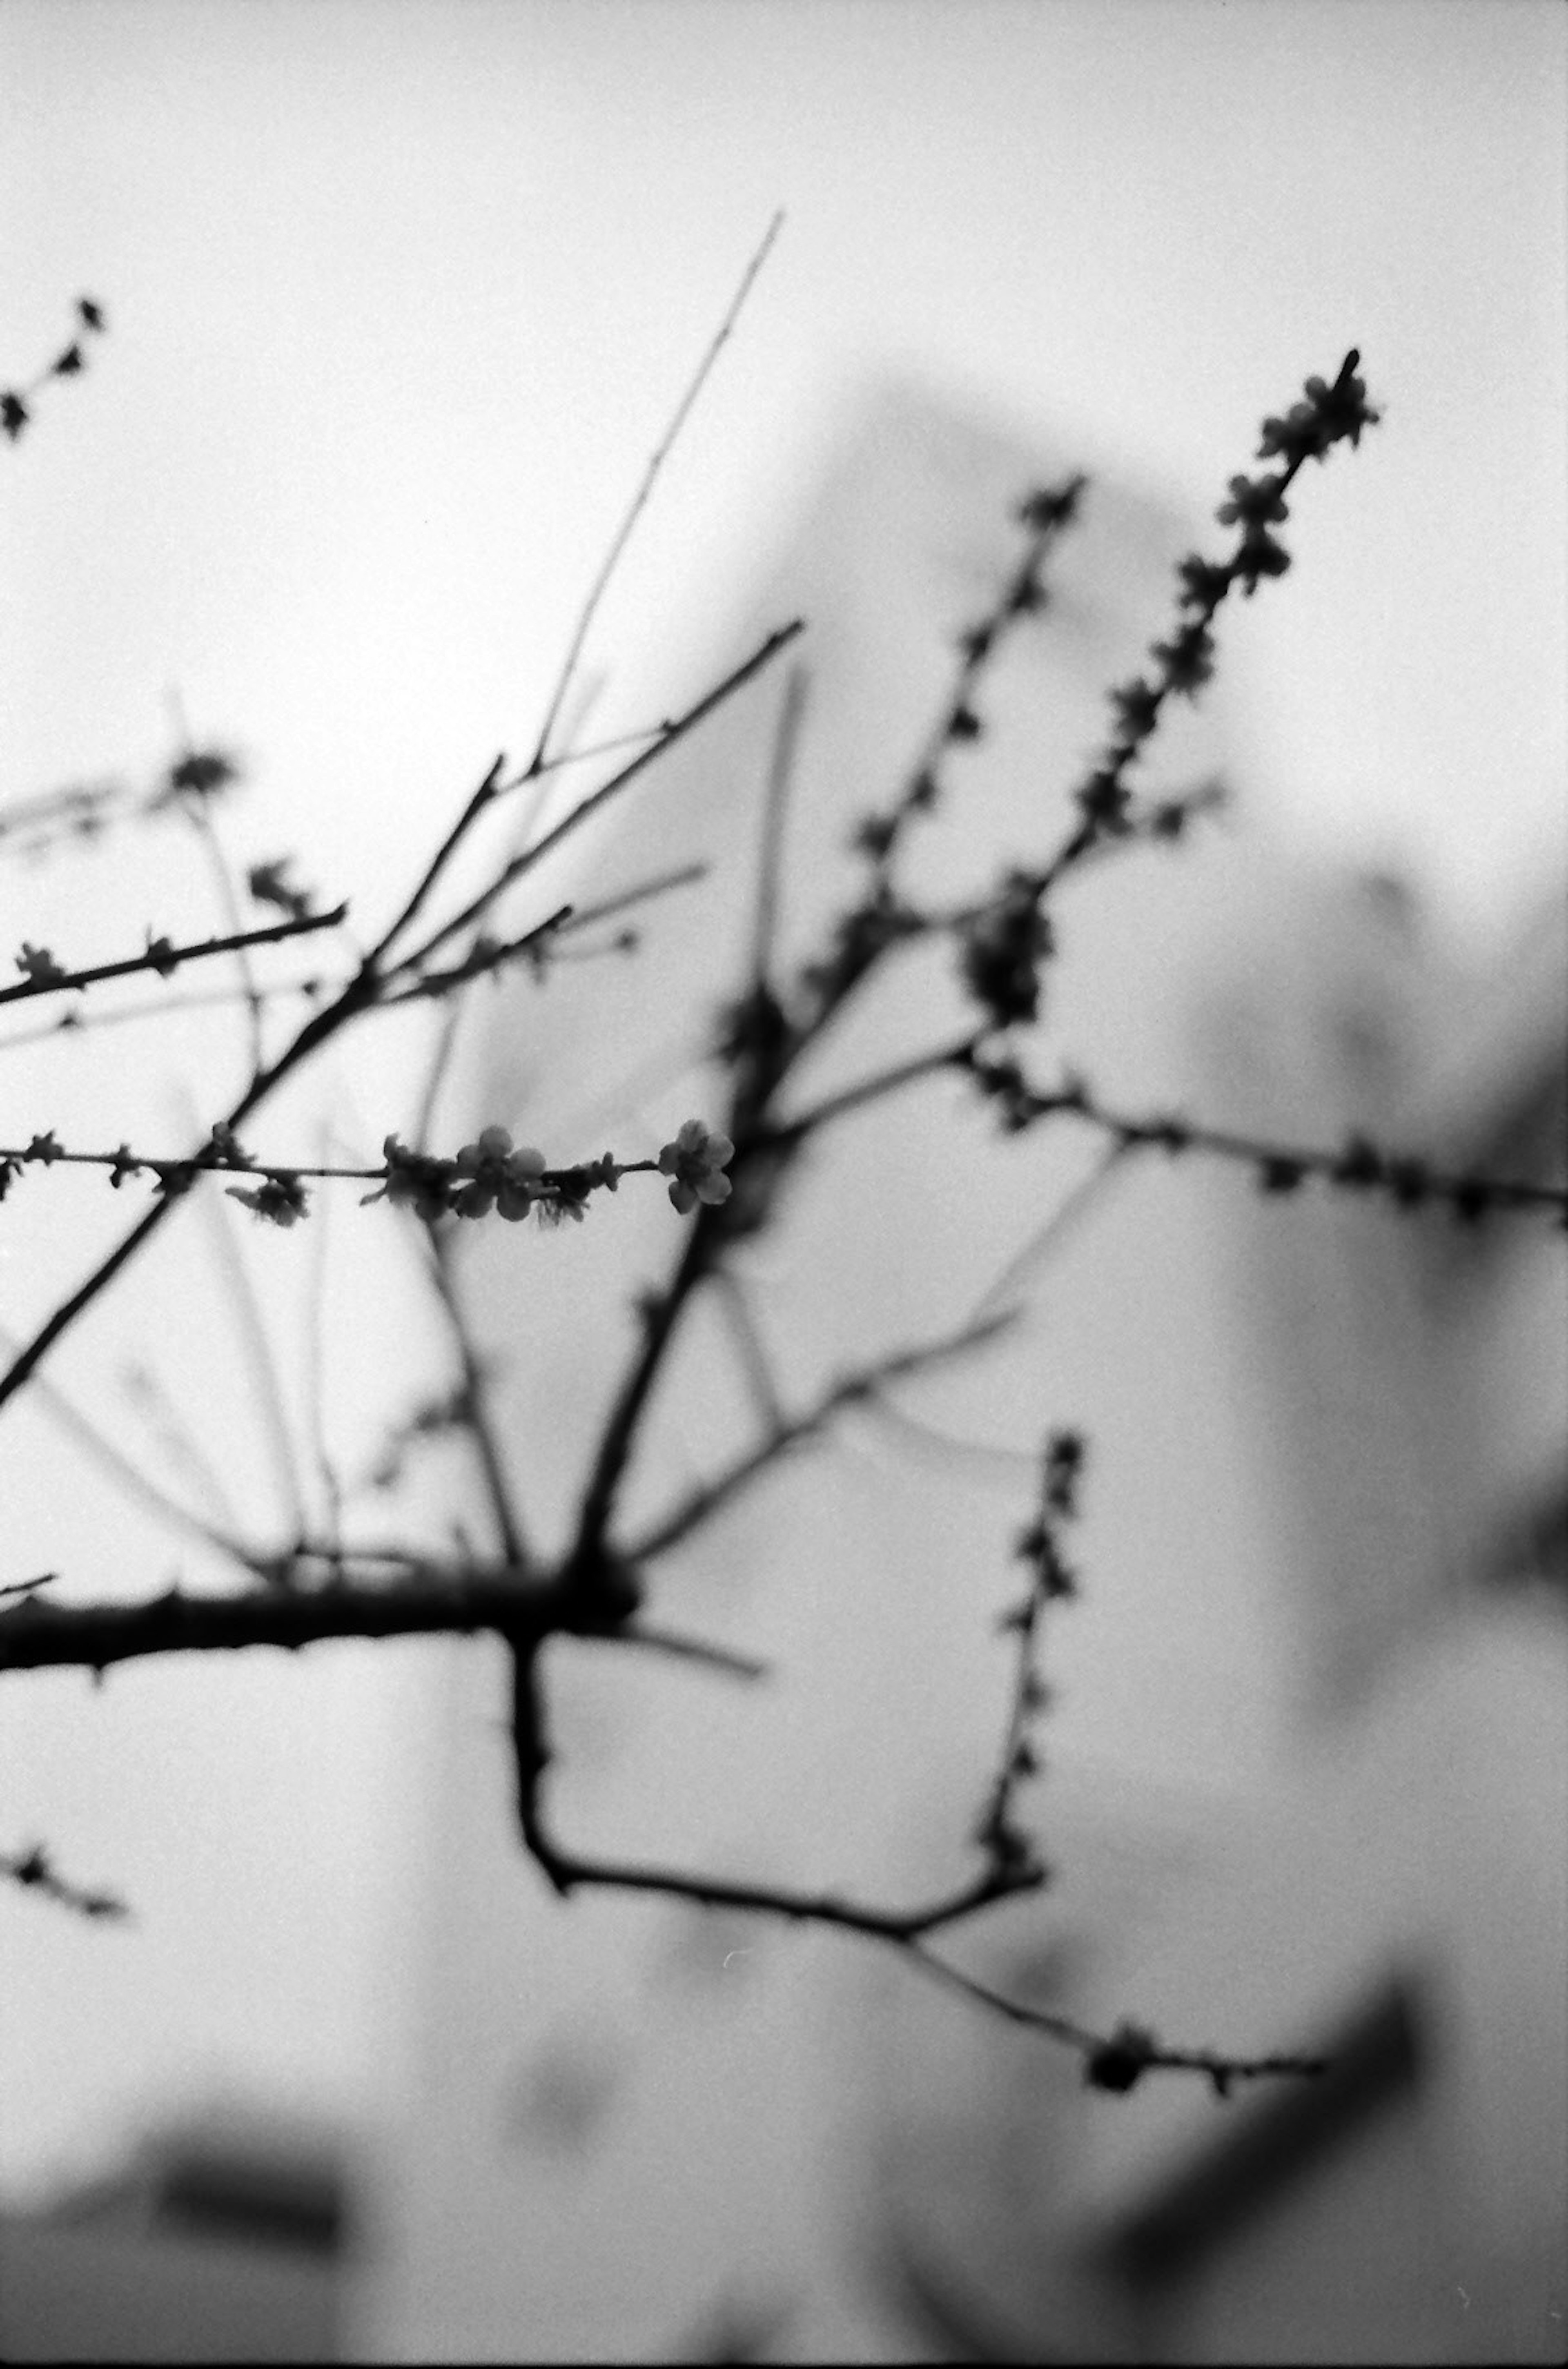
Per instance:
{"type": "Point", "coordinates": [1114, 2061]}
{"type": "Point", "coordinates": [38, 1635]}
{"type": "Point", "coordinates": [1359, 1165]}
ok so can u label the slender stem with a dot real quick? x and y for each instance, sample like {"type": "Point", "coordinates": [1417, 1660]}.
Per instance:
{"type": "Point", "coordinates": [855, 1389]}
{"type": "Point", "coordinates": [640, 499]}
{"type": "Point", "coordinates": [172, 957]}
{"type": "Point", "coordinates": [776, 805]}
{"type": "Point", "coordinates": [428, 879]}
{"type": "Point", "coordinates": [478, 1425]}
{"type": "Point", "coordinates": [815, 1115]}
{"type": "Point", "coordinates": [202, 824]}
{"type": "Point", "coordinates": [534, 854]}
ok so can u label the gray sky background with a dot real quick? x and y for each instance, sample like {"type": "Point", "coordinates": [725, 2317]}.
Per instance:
{"type": "Point", "coordinates": [400, 297]}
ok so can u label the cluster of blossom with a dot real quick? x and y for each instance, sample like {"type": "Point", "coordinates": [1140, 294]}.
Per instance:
{"type": "Point", "coordinates": [1050, 1581]}
{"type": "Point", "coordinates": [1000, 966]}
{"type": "Point", "coordinates": [1326, 416]}
{"type": "Point", "coordinates": [1043, 513]}
{"type": "Point", "coordinates": [492, 1174]}
{"type": "Point", "coordinates": [16, 404]}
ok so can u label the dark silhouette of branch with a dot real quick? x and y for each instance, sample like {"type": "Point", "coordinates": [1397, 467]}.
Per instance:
{"type": "Point", "coordinates": [661, 453]}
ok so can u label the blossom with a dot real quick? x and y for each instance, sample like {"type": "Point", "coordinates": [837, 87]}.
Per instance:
{"type": "Point", "coordinates": [39, 964]}
{"type": "Point", "coordinates": [1188, 658]}
{"type": "Point", "coordinates": [281, 1200]}
{"type": "Point", "coordinates": [1002, 949]}
{"type": "Point", "coordinates": [1254, 502]}
{"type": "Point", "coordinates": [1343, 410]}
{"type": "Point", "coordinates": [1204, 582]}
{"type": "Point", "coordinates": [415, 1181]}
{"type": "Point", "coordinates": [1261, 554]}
{"type": "Point", "coordinates": [1136, 706]}
{"type": "Point", "coordinates": [1301, 435]}
{"type": "Point", "coordinates": [501, 1177]}
{"type": "Point", "coordinates": [200, 773]}
{"type": "Point", "coordinates": [694, 1163]}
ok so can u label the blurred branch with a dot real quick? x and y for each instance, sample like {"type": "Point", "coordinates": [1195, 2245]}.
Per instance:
{"type": "Point", "coordinates": [859, 1388]}
{"type": "Point", "coordinates": [34, 1872]}
{"type": "Point", "coordinates": [16, 402]}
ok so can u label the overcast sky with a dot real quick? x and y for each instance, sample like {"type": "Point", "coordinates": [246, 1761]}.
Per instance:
{"type": "Point", "coordinates": [399, 298]}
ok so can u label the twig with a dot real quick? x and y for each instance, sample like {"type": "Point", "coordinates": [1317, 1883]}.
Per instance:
{"type": "Point", "coordinates": [162, 956]}
{"type": "Point", "coordinates": [639, 500]}
{"type": "Point", "coordinates": [315, 1375]}
{"type": "Point", "coordinates": [736, 1311]}
{"type": "Point", "coordinates": [775, 807]}
{"type": "Point", "coordinates": [477, 1420]}
{"type": "Point", "coordinates": [130, 1477]}
{"type": "Point", "coordinates": [1049, 1238]}
{"type": "Point", "coordinates": [686, 1648]}
{"type": "Point", "coordinates": [1359, 1165]}
{"type": "Point", "coordinates": [33, 1870]}
{"type": "Point", "coordinates": [517, 866]}
{"type": "Point", "coordinates": [359, 995]}
{"type": "Point", "coordinates": [268, 1390]}
{"type": "Point", "coordinates": [859, 1388]}
{"type": "Point", "coordinates": [16, 403]}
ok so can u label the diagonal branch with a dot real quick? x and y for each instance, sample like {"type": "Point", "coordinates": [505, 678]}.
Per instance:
{"type": "Point", "coordinates": [640, 499]}
{"type": "Point", "coordinates": [164, 957]}
{"type": "Point", "coordinates": [855, 1389]}
{"type": "Point", "coordinates": [766, 651]}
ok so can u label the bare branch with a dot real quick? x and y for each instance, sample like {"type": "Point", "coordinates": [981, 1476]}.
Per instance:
{"type": "Point", "coordinates": [859, 1388]}
{"type": "Point", "coordinates": [34, 1872]}
{"type": "Point", "coordinates": [640, 498]}
{"type": "Point", "coordinates": [164, 957]}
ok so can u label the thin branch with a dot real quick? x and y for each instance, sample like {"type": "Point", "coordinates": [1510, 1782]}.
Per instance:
{"type": "Point", "coordinates": [315, 1390]}
{"type": "Point", "coordinates": [762, 656]}
{"type": "Point", "coordinates": [775, 807]}
{"type": "Point", "coordinates": [77, 1023]}
{"type": "Point", "coordinates": [268, 1390]}
{"type": "Point", "coordinates": [27, 1586]}
{"type": "Point", "coordinates": [1114, 2061]}
{"type": "Point", "coordinates": [736, 1311]}
{"type": "Point", "coordinates": [859, 1388]}
{"type": "Point", "coordinates": [484, 958]}
{"type": "Point", "coordinates": [424, 886]}
{"type": "Point", "coordinates": [200, 817]}
{"type": "Point", "coordinates": [166, 1425]}
{"type": "Point", "coordinates": [477, 1420]}
{"type": "Point", "coordinates": [1118, 2060]}
{"type": "Point", "coordinates": [640, 499]}
{"type": "Point", "coordinates": [956, 1055]}
{"type": "Point", "coordinates": [34, 1872]}
{"type": "Point", "coordinates": [1047, 1238]}
{"type": "Point", "coordinates": [164, 957]}
{"type": "Point", "coordinates": [130, 1477]}
{"type": "Point", "coordinates": [16, 403]}
{"type": "Point", "coordinates": [1359, 1165]}
{"type": "Point", "coordinates": [686, 1648]}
